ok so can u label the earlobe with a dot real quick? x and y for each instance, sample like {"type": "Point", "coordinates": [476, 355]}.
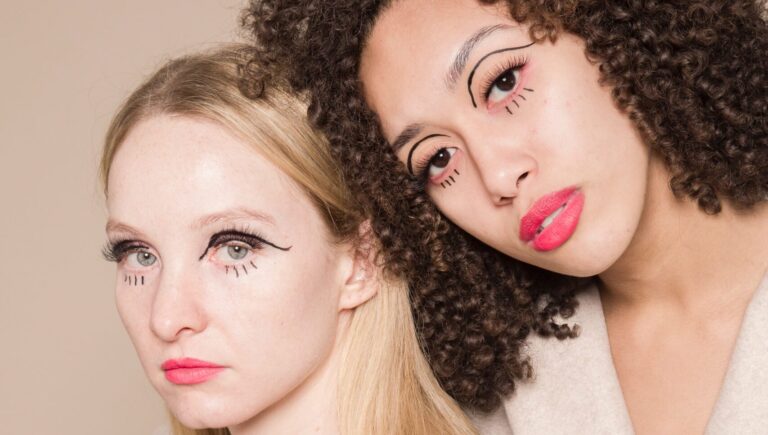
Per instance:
{"type": "Point", "coordinates": [362, 283]}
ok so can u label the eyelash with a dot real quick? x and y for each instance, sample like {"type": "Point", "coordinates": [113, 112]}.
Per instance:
{"type": "Point", "coordinates": [515, 63]}
{"type": "Point", "coordinates": [116, 251]}
{"type": "Point", "coordinates": [243, 235]}
{"type": "Point", "coordinates": [422, 165]}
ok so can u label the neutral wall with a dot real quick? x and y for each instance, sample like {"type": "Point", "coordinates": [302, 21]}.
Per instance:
{"type": "Point", "coordinates": [66, 366]}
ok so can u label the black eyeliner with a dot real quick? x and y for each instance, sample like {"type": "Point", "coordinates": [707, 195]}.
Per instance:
{"type": "Point", "coordinates": [251, 240]}
{"type": "Point", "coordinates": [409, 162]}
{"type": "Point", "coordinates": [474, 69]}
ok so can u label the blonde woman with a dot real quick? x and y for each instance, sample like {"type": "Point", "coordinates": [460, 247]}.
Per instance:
{"type": "Point", "coordinates": [246, 277]}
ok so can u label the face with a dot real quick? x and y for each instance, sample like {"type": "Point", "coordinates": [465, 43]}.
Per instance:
{"type": "Point", "coordinates": [516, 142]}
{"type": "Point", "coordinates": [210, 238]}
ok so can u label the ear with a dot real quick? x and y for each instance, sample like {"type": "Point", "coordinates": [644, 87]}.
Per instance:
{"type": "Point", "coordinates": [362, 281]}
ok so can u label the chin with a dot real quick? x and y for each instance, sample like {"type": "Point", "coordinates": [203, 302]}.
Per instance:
{"type": "Point", "coordinates": [206, 414]}
{"type": "Point", "coordinates": [579, 259]}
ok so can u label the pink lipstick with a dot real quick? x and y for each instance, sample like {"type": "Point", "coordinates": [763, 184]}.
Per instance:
{"type": "Point", "coordinates": [552, 219]}
{"type": "Point", "coordinates": [189, 371]}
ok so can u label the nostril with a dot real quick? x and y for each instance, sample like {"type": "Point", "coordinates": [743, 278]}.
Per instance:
{"type": "Point", "coordinates": [521, 178]}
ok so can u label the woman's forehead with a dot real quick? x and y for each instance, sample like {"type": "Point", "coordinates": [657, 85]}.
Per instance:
{"type": "Point", "coordinates": [177, 168]}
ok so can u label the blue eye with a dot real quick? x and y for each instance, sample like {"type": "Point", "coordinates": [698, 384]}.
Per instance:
{"type": "Point", "coordinates": [140, 259]}
{"type": "Point", "coordinates": [229, 254]}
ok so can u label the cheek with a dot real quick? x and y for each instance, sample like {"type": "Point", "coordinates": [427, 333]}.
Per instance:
{"type": "Point", "coordinates": [284, 329]}
{"type": "Point", "coordinates": [134, 307]}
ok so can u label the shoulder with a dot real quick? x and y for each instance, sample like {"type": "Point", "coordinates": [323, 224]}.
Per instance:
{"type": "Point", "coordinates": [575, 383]}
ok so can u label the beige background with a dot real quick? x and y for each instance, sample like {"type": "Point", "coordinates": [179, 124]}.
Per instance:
{"type": "Point", "coordinates": [66, 366]}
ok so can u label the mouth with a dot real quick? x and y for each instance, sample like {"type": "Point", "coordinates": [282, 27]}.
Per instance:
{"type": "Point", "coordinates": [190, 371]}
{"type": "Point", "coordinates": [552, 219]}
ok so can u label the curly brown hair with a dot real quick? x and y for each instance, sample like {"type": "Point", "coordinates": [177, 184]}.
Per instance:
{"type": "Point", "coordinates": [691, 75]}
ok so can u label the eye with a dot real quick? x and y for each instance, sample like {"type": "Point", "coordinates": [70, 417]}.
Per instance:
{"type": "Point", "coordinates": [227, 254]}
{"type": "Point", "coordinates": [503, 86]}
{"type": "Point", "coordinates": [440, 161]}
{"type": "Point", "coordinates": [139, 259]}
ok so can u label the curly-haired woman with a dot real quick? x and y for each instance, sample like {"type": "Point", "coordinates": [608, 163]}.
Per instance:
{"type": "Point", "coordinates": [615, 153]}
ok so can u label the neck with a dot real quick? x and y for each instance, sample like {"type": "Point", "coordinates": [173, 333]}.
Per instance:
{"type": "Point", "coordinates": [311, 408]}
{"type": "Point", "coordinates": [686, 259]}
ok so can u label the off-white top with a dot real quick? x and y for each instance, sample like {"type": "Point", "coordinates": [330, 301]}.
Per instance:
{"type": "Point", "coordinates": [576, 389]}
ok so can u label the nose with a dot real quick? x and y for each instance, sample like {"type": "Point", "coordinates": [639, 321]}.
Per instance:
{"type": "Point", "coordinates": [504, 169]}
{"type": "Point", "coordinates": [177, 309]}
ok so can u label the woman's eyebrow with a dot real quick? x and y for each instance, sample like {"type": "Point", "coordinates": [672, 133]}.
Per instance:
{"type": "Point", "coordinates": [406, 136]}
{"type": "Point", "coordinates": [460, 61]}
{"type": "Point", "coordinates": [234, 214]}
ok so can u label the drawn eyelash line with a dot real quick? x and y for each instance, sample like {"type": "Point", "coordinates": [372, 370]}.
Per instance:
{"type": "Point", "coordinates": [132, 282]}
{"type": "Point", "coordinates": [235, 268]}
{"type": "Point", "coordinates": [514, 100]}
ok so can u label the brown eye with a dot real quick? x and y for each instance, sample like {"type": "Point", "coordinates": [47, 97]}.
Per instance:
{"type": "Point", "coordinates": [441, 158]}
{"type": "Point", "coordinates": [440, 161]}
{"type": "Point", "coordinates": [504, 85]}
{"type": "Point", "coordinates": [506, 81]}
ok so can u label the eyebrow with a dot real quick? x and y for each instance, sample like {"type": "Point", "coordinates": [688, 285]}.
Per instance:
{"type": "Point", "coordinates": [119, 227]}
{"type": "Point", "coordinates": [460, 61]}
{"type": "Point", "coordinates": [454, 72]}
{"type": "Point", "coordinates": [406, 136]}
{"type": "Point", "coordinates": [234, 214]}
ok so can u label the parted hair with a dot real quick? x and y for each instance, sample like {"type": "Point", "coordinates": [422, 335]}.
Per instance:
{"type": "Point", "coordinates": [691, 75]}
{"type": "Point", "coordinates": [385, 383]}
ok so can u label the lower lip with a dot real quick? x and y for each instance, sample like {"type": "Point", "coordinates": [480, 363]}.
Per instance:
{"type": "Point", "coordinates": [192, 375]}
{"type": "Point", "coordinates": [562, 227]}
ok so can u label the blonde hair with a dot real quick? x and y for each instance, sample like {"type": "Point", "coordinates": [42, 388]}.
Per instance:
{"type": "Point", "coordinates": [385, 383]}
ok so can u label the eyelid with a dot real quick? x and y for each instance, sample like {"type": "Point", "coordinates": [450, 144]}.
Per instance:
{"type": "Point", "coordinates": [482, 59]}
{"type": "Point", "coordinates": [515, 63]}
{"type": "Point", "coordinates": [409, 161]}
{"type": "Point", "coordinates": [117, 250]}
{"type": "Point", "coordinates": [250, 238]}
{"type": "Point", "coordinates": [422, 164]}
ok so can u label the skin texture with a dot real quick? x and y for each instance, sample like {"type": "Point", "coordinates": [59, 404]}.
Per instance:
{"type": "Point", "coordinates": [566, 133]}
{"type": "Point", "coordinates": [663, 284]}
{"type": "Point", "coordinates": [276, 331]}
{"type": "Point", "coordinates": [684, 73]}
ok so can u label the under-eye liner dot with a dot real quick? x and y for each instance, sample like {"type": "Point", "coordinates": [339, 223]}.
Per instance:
{"type": "Point", "coordinates": [529, 90]}
{"type": "Point", "coordinates": [135, 280]}
{"type": "Point", "coordinates": [457, 172]}
{"type": "Point", "coordinates": [245, 270]}
{"type": "Point", "coordinates": [443, 184]}
{"type": "Point", "coordinates": [508, 111]}
{"type": "Point", "coordinates": [451, 177]}
{"type": "Point", "coordinates": [516, 104]}
{"type": "Point", "coordinates": [142, 280]}
{"type": "Point", "coordinates": [254, 266]}
{"type": "Point", "coordinates": [237, 274]}
{"type": "Point", "coordinates": [523, 97]}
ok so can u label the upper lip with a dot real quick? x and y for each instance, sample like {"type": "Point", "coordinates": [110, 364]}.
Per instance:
{"type": "Point", "coordinates": [187, 363]}
{"type": "Point", "coordinates": [543, 207]}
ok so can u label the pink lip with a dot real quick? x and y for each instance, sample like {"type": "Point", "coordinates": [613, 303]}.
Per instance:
{"type": "Point", "coordinates": [562, 227]}
{"type": "Point", "coordinates": [188, 371]}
